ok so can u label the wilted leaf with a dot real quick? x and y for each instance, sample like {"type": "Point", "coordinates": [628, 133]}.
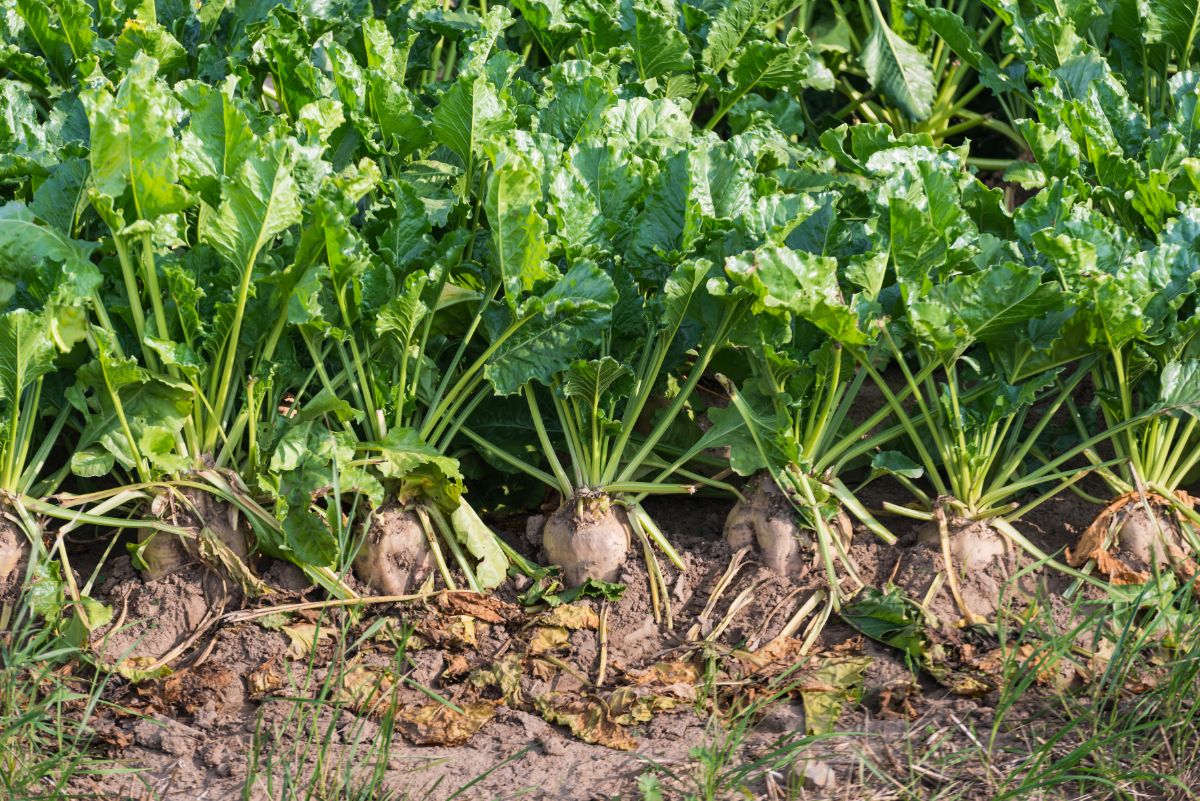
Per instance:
{"type": "Point", "coordinates": [303, 637]}
{"type": "Point", "coordinates": [889, 618]}
{"type": "Point", "coordinates": [505, 676]}
{"type": "Point", "coordinates": [548, 638]}
{"type": "Point", "coordinates": [842, 678]}
{"type": "Point", "coordinates": [629, 706]}
{"type": "Point", "coordinates": [587, 718]}
{"type": "Point", "coordinates": [139, 669]}
{"type": "Point", "coordinates": [571, 616]}
{"type": "Point", "coordinates": [434, 723]}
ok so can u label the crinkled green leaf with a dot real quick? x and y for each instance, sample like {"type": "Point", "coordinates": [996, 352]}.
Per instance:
{"type": "Point", "coordinates": [134, 145]}
{"type": "Point", "coordinates": [549, 331]}
{"type": "Point", "coordinates": [518, 229]}
{"type": "Point", "coordinates": [659, 47]}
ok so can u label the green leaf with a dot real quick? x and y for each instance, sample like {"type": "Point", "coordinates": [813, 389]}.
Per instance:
{"type": "Point", "coordinates": [659, 47]}
{"type": "Point", "coordinates": [471, 113]}
{"type": "Point", "coordinates": [145, 401]}
{"type": "Point", "coordinates": [134, 145]}
{"type": "Point", "coordinates": [576, 107]}
{"type": "Point", "coordinates": [405, 238]}
{"type": "Point", "coordinates": [737, 22]}
{"type": "Point", "coordinates": [765, 442]}
{"type": "Point", "coordinates": [403, 314]}
{"type": "Point", "coordinates": [800, 283]}
{"type": "Point", "coordinates": [403, 451]}
{"type": "Point", "coordinates": [518, 230]}
{"type": "Point", "coordinates": [59, 200]}
{"type": "Point", "coordinates": [259, 204]}
{"type": "Point", "coordinates": [897, 69]}
{"type": "Point", "coordinates": [47, 590]}
{"type": "Point", "coordinates": [589, 380]}
{"type": "Point", "coordinates": [24, 244]}
{"type": "Point", "coordinates": [326, 403]}
{"type": "Point", "coordinates": [642, 125]}
{"type": "Point", "coordinates": [27, 67]}
{"type": "Point", "coordinates": [988, 306]}
{"type": "Point", "coordinates": [307, 539]}
{"type": "Point", "coordinates": [217, 140]}
{"type": "Point", "coordinates": [176, 354]}
{"type": "Point", "coordinates": [962, 40]}
{"type": "Point", "coordinates": [776, 65]}
{"type": "Point", "coordinates": [157, 444]}
{"type": "Point", "coordinates": [155, 41]}
{"type": "Point", "coordinates": [62, 30]}
{"type": "Point", "coordinates": [1180, 389]}
{"type": "Point", "coordinates": [92, 462]}
{"type": "Point", "coordinates": [26, 352]}
{"type": "Point", "coordinates": [550, 330]}
{"type": "Point", "coordinates": [481, 542]}
{"type": "Point", "coordinates": [895, 463]}
{"type": "Point", "coordinates": [1175, 22]}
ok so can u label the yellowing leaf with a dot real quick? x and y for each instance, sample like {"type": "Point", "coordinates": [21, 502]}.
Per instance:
{"type": "Point", "coordinates": [587, 718]}
{"type": "Point", "coordinates": [831, 685]}
{"type": "Point", "coordinates": [548, 638]}
{"type": "Point", "coordinates": [504, 675]}
{"type": "Point", "coordinates": [367, 691]}
{"type": "Point", "coordinates": [435, 723]}
{"type": "Point", "coordinates": [303, 637]}
{"type": "Point", "coordinates": [571, 616]}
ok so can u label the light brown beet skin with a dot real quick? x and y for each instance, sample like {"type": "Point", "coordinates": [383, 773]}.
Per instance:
{"type": "Point", "coordinates": [591, 544]}
{"type": "Point", "coordinates": [396, 557]}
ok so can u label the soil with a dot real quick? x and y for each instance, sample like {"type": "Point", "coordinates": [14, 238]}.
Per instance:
{"type": "Point", "coordinates": [228, 709]}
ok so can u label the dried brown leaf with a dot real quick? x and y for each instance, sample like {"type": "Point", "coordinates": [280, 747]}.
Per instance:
{"type": "Point", "coordinates": [772, 658]}
{"type": "Point", "coordinates": [449, 631]}
{"type": "Point", "coordinates": [266, 678]}
{"type": "Point", "coordinates": [485, 607]}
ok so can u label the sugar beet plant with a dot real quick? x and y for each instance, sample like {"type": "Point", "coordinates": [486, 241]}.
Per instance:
{"type": "Point", "coordinates": [327, 282]}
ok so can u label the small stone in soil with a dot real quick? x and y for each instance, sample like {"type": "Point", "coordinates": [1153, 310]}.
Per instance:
{"type": "Point", "coordinates": [814, 773]}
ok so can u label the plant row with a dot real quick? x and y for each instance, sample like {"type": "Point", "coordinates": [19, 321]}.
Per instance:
{"type": "Point", "coordinates": [324, 282]}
